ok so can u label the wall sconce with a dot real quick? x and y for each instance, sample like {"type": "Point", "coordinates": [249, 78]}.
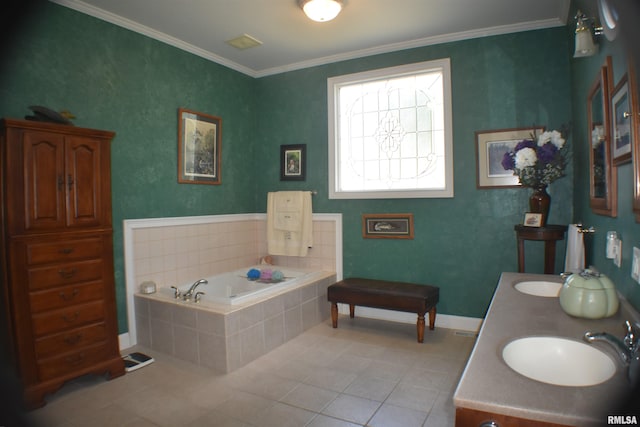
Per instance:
{"type": "Point", "coordinates": [584, 39]}
{"type": "Point", "coordinates": [321, 10]}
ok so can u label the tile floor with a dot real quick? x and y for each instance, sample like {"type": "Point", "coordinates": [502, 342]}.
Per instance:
{"type": "Point", "coordinates": [365, 373]}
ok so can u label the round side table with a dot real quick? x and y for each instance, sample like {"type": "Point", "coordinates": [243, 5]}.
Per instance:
{"type": "Point", "coordinates": [550, 234]}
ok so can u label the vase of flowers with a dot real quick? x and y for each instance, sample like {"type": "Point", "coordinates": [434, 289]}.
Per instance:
{"type": "Point", "coordinates": [538, 162]}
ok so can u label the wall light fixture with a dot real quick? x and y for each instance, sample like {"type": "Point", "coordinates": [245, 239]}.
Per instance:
{"type": "Point", "coordinates": [584, 40]}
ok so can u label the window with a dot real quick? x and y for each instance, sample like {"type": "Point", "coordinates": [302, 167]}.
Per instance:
{"type": "Point", "coordinates": [390, 133]}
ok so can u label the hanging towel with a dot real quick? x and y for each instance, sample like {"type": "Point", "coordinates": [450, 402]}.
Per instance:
{"type": "Point", "coordinates": [574, 259]}
{"type": "Point", "coordinates": [289, 223]}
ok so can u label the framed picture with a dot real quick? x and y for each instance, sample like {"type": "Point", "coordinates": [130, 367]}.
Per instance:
{"type": "Point", "coordinates": [621, 116]}
{"type": "Point", "coordinates": [532, 219]}
{"type": "Point", "coordinates": [387, 226]}
{"type": "Point", "coordinates": [293, 162]}
{"type": "Point", "coordinates": [491, 145]}
{"type": "Point", "coordinates": [199, 147]}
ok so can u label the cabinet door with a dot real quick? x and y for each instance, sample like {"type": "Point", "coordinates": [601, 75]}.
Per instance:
{"type": "Point", "coordinates": [44, 180]}
{"type": "Point", "coordinates": [83, 185]}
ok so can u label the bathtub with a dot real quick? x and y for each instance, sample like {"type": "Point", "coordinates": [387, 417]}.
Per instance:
{"type": "Point", "coordinates": [234, 287]}
{"type": "Point", "coordinates": [232, 325]}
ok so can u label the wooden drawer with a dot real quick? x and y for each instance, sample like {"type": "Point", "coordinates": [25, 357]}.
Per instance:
{"type": "Point", "coordinates": [68, 341]}
{"type": "Point", "coordinates": [67, 318]}
{"type": "Point", "coordinates": [65, 296]}
{"type": "Point", "coordinates": [64, 274]}
{"type": "Point", "coordinates": [71, 362]}
{"type": "Point", "coordinates": [64, 251]}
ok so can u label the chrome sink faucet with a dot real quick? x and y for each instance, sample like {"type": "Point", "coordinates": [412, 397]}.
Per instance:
{"type": "Point", "coordinates": [187, 295]}
{"type": "Point", "coordinates": [628, 348]}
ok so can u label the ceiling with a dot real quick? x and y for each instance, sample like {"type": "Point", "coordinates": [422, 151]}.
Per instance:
{"type": "Point", "coordinates": [291, 41]}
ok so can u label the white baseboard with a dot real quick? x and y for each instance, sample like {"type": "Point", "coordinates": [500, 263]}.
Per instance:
{"type": "Point", "coordinates": [124, 341]}
{"type": "Point", "coordinates": [470, 324]}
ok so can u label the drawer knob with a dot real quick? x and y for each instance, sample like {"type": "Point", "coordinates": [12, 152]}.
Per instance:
{"type": "Point", "coordinates": [69, 297]}
{"type": "Point", "coordinates": [73, 339]}
{"type": "Point", "coordinates": [75, 360]}
{"type": "Point", "coordinates": [67, 274]}
{"type": "Point", "coordinates": [71, 318]}
{"type": "Point", "coordinates": [66, 251]}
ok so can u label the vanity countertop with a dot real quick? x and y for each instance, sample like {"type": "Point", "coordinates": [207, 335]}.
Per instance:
{"type": "Point", "coordinates": [489, 385]}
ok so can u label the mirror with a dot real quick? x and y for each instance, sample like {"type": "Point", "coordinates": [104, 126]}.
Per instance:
{"type": "Point", "coordinates": [603, 183]}
{"type": "Point", "coordinates": [635, 132]}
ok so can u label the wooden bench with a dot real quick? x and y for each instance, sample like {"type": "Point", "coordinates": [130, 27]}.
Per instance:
{"type": "Point", "coordinates": [399, 296]}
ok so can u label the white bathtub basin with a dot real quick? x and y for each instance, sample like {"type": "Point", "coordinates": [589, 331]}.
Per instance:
{"type": "Point", "coordinates": [540, 288]}
{"type": "Point", "coordinates": [558, 361]}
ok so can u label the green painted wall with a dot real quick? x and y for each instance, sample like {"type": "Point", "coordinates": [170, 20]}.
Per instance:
{"type": "Point", "coordinates": [461, 244]}
{"type": "Point", "coordinates": [115, 79]}
{"type": "Point", "coordinates": [583, 73]}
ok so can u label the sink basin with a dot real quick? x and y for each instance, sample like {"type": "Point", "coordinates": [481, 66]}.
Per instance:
{"type": "Point", "coordinates": [539, 288]}
{"type": "Point", "coordinates": [558, 361]}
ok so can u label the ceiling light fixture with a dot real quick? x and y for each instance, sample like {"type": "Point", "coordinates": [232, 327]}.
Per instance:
{"type": "Point", "coordinates": [584, 39]}
{"type": "Point", "coordinates": [321, 10]}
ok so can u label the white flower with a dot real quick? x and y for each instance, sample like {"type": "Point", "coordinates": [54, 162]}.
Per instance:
{"type": "Point", "coordinates": [525, 158]}
{"type": "Point", "coordinates": [597, 135]}
{"type": "Point", "coordinates": [553, 136]}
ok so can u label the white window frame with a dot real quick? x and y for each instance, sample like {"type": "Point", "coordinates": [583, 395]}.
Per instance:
{"type": "Point", "coordinates": [333, 86]}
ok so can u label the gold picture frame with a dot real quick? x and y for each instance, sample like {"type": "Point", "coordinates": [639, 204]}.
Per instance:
{"type": "Point", "coordinates": [199, 147]}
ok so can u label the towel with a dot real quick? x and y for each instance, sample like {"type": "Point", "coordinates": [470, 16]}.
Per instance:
{"type": "Point", "coordinates": [574, 258]}
{"type": "Point", "coordinates": [289, 223]}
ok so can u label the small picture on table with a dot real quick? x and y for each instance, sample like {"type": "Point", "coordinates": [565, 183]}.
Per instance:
{"type": "Point", "coordinates": [532, 219]}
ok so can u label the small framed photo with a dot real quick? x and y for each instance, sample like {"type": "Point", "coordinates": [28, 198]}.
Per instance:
{"type": "Point", "coordinates": [199, 145]}
{"type": "Point", "coordinates": [491, 145]}
{"type": "Point", "coordinates": [622, 117]}
{"type": "Point", "coordinates": [293, 162]}
{"type": "Point", "coordinates": [532, 219]}
{"type": "Point", "coordinates": [387, 226]}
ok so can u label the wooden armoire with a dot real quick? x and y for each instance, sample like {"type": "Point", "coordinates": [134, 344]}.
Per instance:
{"type": "Point", "coordinates": [58, 295]}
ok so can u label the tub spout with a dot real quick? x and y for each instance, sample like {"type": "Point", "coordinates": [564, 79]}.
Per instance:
{"type": "Point", "coordinates": [187, 295]}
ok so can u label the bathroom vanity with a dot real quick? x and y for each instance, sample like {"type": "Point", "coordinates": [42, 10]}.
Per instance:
{"type": "Point", "coordinates": [491, 391]}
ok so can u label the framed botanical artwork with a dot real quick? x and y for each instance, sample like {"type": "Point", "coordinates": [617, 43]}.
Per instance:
{"type": "Point", "coordinates": [293, 162]}
{"type": "Point", "coordinates": [491, 146]}
{"type": "Point", "coordinates": [199, 147]}
{"type": "Point", "coordinates": [622, 121]}
{"type": "Point", "coordinates": [387, 226]}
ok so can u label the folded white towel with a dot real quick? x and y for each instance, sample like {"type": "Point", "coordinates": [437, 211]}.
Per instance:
{"type": "Point", "coordinates": [574, 258]}
{"type": "Point", "coordinates": [289, 223]}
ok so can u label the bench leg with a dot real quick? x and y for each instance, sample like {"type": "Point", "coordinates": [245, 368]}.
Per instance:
{"type": "Point", "coordinates": [352, 309]}
{"type": "Point", "coordinates": [334, 314]}
{"type": "Point", "coordinates": [420, 327]}
{"type": "Point", "coordinates": [432, 318]}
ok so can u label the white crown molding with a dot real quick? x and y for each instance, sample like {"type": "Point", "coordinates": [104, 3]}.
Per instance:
{"type": "Point", "coordinates": [427, 41]}
{"type": "Point", "coordinates": [150, 32]}
{"type": "Point", "coordinates": [118, 20]}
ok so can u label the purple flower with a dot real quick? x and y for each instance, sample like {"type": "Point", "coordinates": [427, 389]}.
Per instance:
{"type": "Point", "coordinates": [526, 143]}
{"type": "Point", "coordinates": [546, 153]}
{"type": "Point", "coordinates": [508, 161]}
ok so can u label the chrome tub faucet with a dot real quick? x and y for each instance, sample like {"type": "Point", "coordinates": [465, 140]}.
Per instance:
{"type": "Point", "coordinates": [628, 348]}
{"type": "Point", "coordinates": [187, 295]}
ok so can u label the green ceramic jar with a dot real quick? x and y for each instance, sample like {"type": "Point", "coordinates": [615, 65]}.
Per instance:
{"type": "Point", "coordinates": [589, 295]}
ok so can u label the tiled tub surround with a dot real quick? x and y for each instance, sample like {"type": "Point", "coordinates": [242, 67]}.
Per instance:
{"type": "Point", "coordinates": [227, 337]}
{"type": "Point", "coordinates": [174, 251]}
